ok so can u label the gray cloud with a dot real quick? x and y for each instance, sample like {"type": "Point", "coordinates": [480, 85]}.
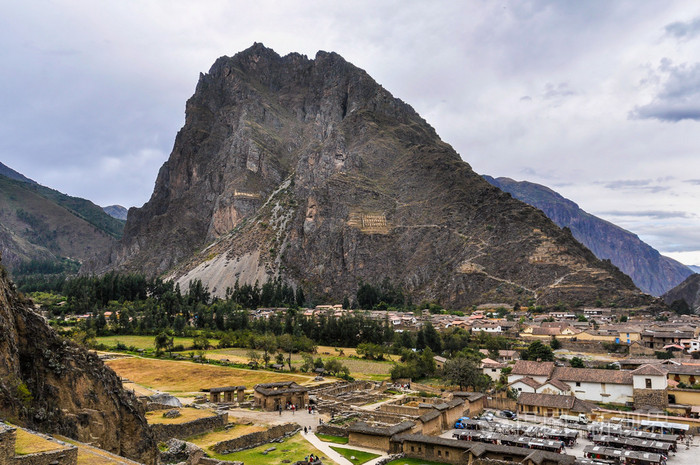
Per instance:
{"type": "Point", "coordinates": [694, 182]}
{"type": "Point", "coordinates": [679, 97]}
{"type": "Point", "coordinates": [557, 91]}
{"type": "Point", "coordinates": [653, 214]}
{"type": "Point", "coordinates": [683, 30]}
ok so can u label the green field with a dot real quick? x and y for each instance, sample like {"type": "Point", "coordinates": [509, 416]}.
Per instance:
{"type": "Point", "coordinates": [145, 342]}
{"type": "Point", "coordinates": [360, 456]}
{"type": "Point", "coordinates": [333, 439]}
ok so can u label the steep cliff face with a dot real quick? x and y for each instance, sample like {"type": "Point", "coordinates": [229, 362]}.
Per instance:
{"type": "Point", "coordinates": [54, 386]}
{"type": "Point", "coordinates": [652, 272]}
{"type": "Point", "coordinates": [688, 291]}
{"type": "Point", "coordinates": [308, 169]}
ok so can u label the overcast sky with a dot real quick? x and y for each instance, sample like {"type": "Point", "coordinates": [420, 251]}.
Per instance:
{"type": "Point", "coordinates": [599, 100]}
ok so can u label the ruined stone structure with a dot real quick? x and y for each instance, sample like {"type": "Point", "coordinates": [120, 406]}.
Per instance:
{"type": "Point", "coordinates": [64, 454]}
{"type": "Point", "coordinates": [248, 441]}
{"type": "Point", "coordinates": [163, 432]}
{"type": "Point", "coordinates": [275, 396]}
{"type": "Point", "coordinates": [226, 394]}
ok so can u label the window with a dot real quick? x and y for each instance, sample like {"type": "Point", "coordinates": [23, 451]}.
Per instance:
{"type": "Point", "coordinates": [447, 453]}
{"type": "Point", "coordinates": [439, 453]}
{"type": "Point", "coordinates": [578, 383]}
{"type": "Point", "coordinates": [648, 382]}
{"type": "Point", "coordinates": [411, 448]}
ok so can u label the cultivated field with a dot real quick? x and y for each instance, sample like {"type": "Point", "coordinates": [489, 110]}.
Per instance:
{"type": "Point", "coordinates": [188, 378]}
{"type": "Point", "coordinates": [28, 443]}
{"type": "Point", "coordinates": [145, 342]}
{"type": "Point", "coordinates": [292, 449]}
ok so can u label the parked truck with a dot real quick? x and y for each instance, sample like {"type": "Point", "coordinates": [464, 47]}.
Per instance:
{"type": "Point", "coordinates": [581, 418]}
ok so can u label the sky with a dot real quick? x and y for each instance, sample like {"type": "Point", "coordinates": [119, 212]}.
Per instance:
{"type": "Point", "coordinates": [598, 100]}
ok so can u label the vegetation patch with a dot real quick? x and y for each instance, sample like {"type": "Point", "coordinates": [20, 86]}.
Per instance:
{"type": "Point", "coordinates": [331, 438]}
{"type": "Point", "coordinates": [28, 443]}
{"type": "Point", "coordinates": [359, 456]}
{"type": "Point", "coordinates": [224, 434]}
{"type": "Point", "coordinates": [293, 449]}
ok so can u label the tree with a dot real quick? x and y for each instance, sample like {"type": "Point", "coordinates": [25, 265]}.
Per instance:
{"type": "Point", "coordinates": [279, 358]}
{"type": "Point", "coordinates": [577, 362]}
{"type": "Point", "coordinates": [201, 342]}
{"type": "Point", "coordinates": [465, 373]}
{"type": "Point", "coordinates": [286, 342]}
{"type": "Point", "coordinates": [164, 342]}
{"type": "Point", "coordinates": [554, 343]}
{"type": "Point", "coordinates": [538, 351]}
{"type": "Point", "coordinates": [254, 357]}
{"type": "Point", "coordinates": [268, 343]}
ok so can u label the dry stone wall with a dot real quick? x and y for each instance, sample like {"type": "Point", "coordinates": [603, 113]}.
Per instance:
{"type": "Point", "coordinates": [332, 430]}
{"type": "Point", "coordinates": [184, 430]}
{"type": "Point", "coordinates": [248, 441]}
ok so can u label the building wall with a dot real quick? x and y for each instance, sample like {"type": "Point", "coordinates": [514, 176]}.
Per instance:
{"type": "Point", "coordinates": [602, 392]}
{"type": "Point", "coordinates": [686, 396]}
{"type": "Point", "coordinates": [651, 398]}
{"type": "Point", "coordinates": [445, 454]}
{"type": "Point", "coordinates": [657, 382]}
{"type": "Point", "coordinates": [248, 441]}
{"type": "Point", "coordinates": [163, 432]}
{"type": "Point", "coordinates": [493, 373]}
{"type": "Point", "coordinates": [369, 441]}
{"type": "Point", "coordinates": [687, 379]}
{"type": "Point", "coordinates": [522, 387]}
{"type": "Point", "coordinates": [450, 416]}
{"type": "Point", "coordinates": [433, 427]}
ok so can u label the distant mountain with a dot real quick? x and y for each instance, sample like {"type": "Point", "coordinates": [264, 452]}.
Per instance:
{"type": "Point", "coordinates": [40, 227]}
{"type": "Point", "coordinates": [308, 171]}
{"type": "Point", "coordinates": [652, 272]}
{"type": "Point", "coordinates": [695, 268]}
{"type": "Point", "coordinates": [116, 211]}
{"type": "Point", "coordinates": [12, 174]}
{"type": "Point", "coordinates": [688, 291]}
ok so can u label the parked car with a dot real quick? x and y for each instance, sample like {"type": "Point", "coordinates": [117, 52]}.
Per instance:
{"type": "Point", "coordinates": [509, 414]}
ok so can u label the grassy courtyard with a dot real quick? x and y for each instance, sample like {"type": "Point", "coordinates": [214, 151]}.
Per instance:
{"type": "Point", "coordinates": [291, 449]}
{"type": "Point", "coordinates": [357, 457]}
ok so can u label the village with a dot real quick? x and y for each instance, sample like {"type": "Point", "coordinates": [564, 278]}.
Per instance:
{"type": "Point", "coordinates": [622, 389]}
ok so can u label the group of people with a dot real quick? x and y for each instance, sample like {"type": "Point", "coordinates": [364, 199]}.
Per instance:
{"type": "Point", "coordinates": [311, 458]}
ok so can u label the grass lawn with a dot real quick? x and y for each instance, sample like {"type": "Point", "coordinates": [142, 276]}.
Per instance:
{"type": "Point", "coordinates": [292, 449]}
{"type": "Point", "coordinates": [330, 438]}
{"type": "Point", "coordinates": [28, 443]}
{"type": "Point", "coordinates": [187, 414]}
{"type": "Point", "coordinates": [407, 461]}
{"type": "Point", "coordinates": [360, 456]}
{"type": "Point", "coordinates": [205, 440]}
{"type": "Point", "coordinates": [145, 342]}
{"type": "Point", "coordinates": [179, 377]}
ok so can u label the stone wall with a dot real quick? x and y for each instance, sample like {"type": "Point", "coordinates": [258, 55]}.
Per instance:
{"type": "Point", "coordinates": [650, 398]}
{"type": "Point", "coordinates": [7, 442]}
{"type": "Point", "coordinates": [400, 409]}
{"type": "Point", "coordinates": [162, 433]}
{"type": "Point", "coordinates": [369, 440]}
{"type": "Point", "coordinates": [251, 440]}
{"type": "Point", "coordinates": [56, 457]}
{"type": "Point", "coordinates": [332, 430]}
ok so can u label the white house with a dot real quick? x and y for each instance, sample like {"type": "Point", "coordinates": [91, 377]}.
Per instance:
{"type": "Point", "coordinates": [649, 377]}
{"type": "Point", "coordinates": [595, 385]}
{"type": "Point", "coordinates": [525, 384]}
{"type": "Point", "coordinates": [539, 371]}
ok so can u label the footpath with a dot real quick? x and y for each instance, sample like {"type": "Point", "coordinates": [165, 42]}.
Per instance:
{"type": "Point", "coordinates": [325, 447]}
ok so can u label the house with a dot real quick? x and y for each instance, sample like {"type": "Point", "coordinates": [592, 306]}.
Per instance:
{"type": "Point", "coordinates": [525, 384]}
{"type": "Point", "coordinates": [492, 368]}
{"type": "Point", "coordinates": [539, 371]}
{"type": "Point", "coordinates": [375, 437]}
{"type": "Point", "coordinates": [552, 405]}
{"type": "Point", "coordinates": [487, 327]}
{"type": "Point", "coordinates": [657, 339]}
{"type": "Point", "coordinates": [439, 362]}
{"type": "Point", "coordinates": [554, 386]}
{"type": "Point", "coordinates": [276, 396]}
{"type": "Point", "coordinates": [595, 385]}
{"type": "Point", "coordinates": [650, 387]}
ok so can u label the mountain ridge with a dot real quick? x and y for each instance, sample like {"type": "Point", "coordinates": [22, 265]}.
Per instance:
{"type": "Point", "coordinates": [308, 170]}
{"type": "Point", "coordinates": [652, 272]}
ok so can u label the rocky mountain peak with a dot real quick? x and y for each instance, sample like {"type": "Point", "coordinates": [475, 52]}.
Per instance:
{"type": "Point", "coordinates": [309, 170]}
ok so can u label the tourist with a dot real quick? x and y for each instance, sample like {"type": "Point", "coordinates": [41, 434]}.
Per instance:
{"type": "Point", "coordinates": [305, 430]}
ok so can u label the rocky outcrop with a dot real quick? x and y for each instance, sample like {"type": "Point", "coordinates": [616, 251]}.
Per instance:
{"type": "Point", "coordinates": [309, 170]}
{"type": "Point", "coordinates": [116, 211]}
{"type": "Point", "coordinates": [688, 292]}
{"type": "Point", "coordinates": [651, 272]}
{"type": "Point", "coordinates": [52, 385]}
